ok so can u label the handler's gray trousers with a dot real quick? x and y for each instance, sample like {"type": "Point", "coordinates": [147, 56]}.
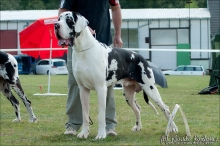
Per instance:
{"type": "Point", "coordinates": [73, 104]}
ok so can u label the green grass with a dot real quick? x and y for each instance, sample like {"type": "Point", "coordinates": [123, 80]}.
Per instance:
{"type": "Point", "coordinates": [202, 113]}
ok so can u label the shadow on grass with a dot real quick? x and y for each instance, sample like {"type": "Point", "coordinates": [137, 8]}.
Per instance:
{"type": "Point", "coordinates": [72, 139]}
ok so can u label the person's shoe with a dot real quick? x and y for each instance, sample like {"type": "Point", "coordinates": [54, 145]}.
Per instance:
{"type": "Point", "coordinates": [70, 130]}
{"type": "Point", "coordinates": [111, 132]}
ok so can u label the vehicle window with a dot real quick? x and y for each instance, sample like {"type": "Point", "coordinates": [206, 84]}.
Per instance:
{"type": "Point", "coordinates": [188, 69]}
{"type": "Point", "coordinates": [44, 63]}
{"type": "Point", "coordinates": [59, 63]}
{"type": "Point", "coordinates": [179, 69]}
{"type": "Point", "coordinates": [197, 68]}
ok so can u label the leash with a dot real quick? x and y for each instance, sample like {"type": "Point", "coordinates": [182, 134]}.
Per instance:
{"type": "Point", "coordinates": [86, 49]}
{"type": "Point", "coordinates": [90, 121]}
{"type": "Point", "coordinates": [94, 35]}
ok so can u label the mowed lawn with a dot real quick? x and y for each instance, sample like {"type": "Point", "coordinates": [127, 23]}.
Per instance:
{"type": "Point", "coordinates": [202, 113]}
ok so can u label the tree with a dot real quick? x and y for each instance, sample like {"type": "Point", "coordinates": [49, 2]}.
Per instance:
{"type": "Point", "coordinates": [125, 4]}
{"type": "Point", "coordinates": [10, 4]}
{"type": "Point", "coordinates": [52, 4]}
{"type": "Point", "coordinates": [191, 4]}
{"type": "Point", "coordinates": [35, 5]}
{"type": "Point", "coordinates": [129, 4]}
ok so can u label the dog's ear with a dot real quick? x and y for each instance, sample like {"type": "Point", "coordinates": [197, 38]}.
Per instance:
{"type": "Point", "coordinates": [81, 22]}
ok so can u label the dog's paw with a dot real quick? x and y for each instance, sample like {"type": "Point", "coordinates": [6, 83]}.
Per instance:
{"type": "Point", "coordinates": [34, 120]}
{"type": "Point", "coordinates": [99, 137]}
{"type": "Point", "coordinates": [136, 128]}
{"type": "Point", "coordinates": [173, 128]}
{"type": "Point", "coordinates": [83, 134]}
{"type": "Point", "coordinates": [16, 120]}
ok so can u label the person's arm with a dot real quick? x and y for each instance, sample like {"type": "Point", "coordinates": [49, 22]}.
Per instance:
{"type": "Point", "coordinates": [116, 19]}
{"type": "Point", "coordinates": [61, 10]}
{"type": "Point", "coordinates": [65, 5]}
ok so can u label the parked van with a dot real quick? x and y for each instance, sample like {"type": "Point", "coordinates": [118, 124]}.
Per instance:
{"type": "Point", "coordinates": [25, 64]}
{"type": "Point", "coordinates": [186, 70]}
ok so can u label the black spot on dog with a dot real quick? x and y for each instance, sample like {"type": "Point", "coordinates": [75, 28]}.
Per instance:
{"type": "Point", "coordinates": [151, 87]}
{"type": "Point", "coordinates": [6, 91]}
{"type": "Point", "coordinates": [110, 74]}
{"type": "Point", "coordinates": [10, 72]}
{"type": "Point", "coordinates": [146, 97]}
{"type": "Point", "coordinates": [104, 45]}
{"type": "Point", "coordinates": [69, 22]}
{"type": "Point", "coordinates": [127, 102]}
{"type": "Point", "coordinates": [75, 16]}
{"type": "Point", "coordinates": [3, 58]}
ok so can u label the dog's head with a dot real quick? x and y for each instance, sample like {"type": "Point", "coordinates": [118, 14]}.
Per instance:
{"type": "Point", "coordinates": [69, 26]}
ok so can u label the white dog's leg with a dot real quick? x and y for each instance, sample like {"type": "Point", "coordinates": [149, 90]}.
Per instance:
{"type": "Point", "coordinates": [102, 93]}
{"type": "Point", "coordinates": [129, 93]}
{"type": "Point", "coordinates": [84, 97]}
{"type": "Point", "coordinates": [154, 94]}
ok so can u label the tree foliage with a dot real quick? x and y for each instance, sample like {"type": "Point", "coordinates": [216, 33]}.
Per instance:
{"type": "Point", "coordinates": [128, 4]}
{"type": "Point", "coordinates": [10, 4]}
{"type": "Point", "coordinates": [125, 4]}
{"type": "Point", "coordinates": [35, 5]}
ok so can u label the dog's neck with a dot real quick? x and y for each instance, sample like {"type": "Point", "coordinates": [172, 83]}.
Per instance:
{"type": "Point", "coordinates": [84, 41]}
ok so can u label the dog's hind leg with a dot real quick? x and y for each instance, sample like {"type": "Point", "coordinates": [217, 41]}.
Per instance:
{"type": "Point", "coordinates": [18, 89]}
{"type": "Point", "coordinates": [5, 89]}
{"type": "Point", "coordinates": [129, 94]}
{"type": "Point", "coordinates": [152, 91]}
{"type": "Point", "coordinates": [149, 103]}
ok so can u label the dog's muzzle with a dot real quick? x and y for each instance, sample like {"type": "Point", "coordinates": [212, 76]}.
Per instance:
{"type": "Point", "coordinates": [62, 42]}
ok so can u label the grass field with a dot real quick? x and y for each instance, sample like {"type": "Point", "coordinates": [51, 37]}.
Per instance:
{"type": "Point", "coordinates": [202, 113]}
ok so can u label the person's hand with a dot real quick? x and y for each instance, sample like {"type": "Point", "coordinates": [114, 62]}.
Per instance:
{"type": "Point", "coordinates": [92, 31]}
{"type": "Point", "coordinates": [117, 42]}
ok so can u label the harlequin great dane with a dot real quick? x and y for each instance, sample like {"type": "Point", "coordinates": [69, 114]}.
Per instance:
{"type": "Point", "coordinates": [9, 78]}
{"type": "Point", "coordinates": [97, 66]}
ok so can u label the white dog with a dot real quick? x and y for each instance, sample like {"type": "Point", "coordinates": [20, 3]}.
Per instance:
{"type": "Point", "coordinates": [97, 66]}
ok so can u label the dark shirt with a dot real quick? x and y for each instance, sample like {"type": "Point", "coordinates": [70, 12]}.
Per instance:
{"type": "Point", "coordinates": [97, 13]}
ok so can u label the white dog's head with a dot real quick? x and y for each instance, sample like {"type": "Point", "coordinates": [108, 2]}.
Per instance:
{"type": "Point", "coordinates": [69, 26]}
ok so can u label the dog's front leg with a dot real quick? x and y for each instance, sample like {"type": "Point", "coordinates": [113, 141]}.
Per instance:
{"type": "Point", "coordinates": [102, 93]}
{"type": "Point", "coordinates": [84, 97]}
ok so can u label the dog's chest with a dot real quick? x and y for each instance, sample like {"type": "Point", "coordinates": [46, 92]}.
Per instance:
{"type": "Point", "coordinates": [89, 67]}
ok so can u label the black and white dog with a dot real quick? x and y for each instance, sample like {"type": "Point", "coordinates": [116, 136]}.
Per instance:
{"type": "Point", "coordinates": [9, 78]}
{"type": "Point", "coordinates": [97, 66]}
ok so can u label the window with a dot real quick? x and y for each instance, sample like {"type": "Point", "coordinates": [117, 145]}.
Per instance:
{"type": "Point", "coordinates": [44, 63]}
{"type": "Point", "coordinates": [59, 63]}
{"type": "Point", "coordinates": [180, 69]}
{"type": "Point", "coordinates": [197, 68]}
{"type": "Point", "coordinates": [188, 69]}
{"type": "Point", "coordinates": [129, 37]}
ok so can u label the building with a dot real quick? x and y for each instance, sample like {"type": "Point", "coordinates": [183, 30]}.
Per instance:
{"type": "Point", "coordinates": [141, 28]}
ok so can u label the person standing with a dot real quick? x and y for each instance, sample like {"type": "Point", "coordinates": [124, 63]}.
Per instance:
{"type": "Point", "coordinates": [98, 15]}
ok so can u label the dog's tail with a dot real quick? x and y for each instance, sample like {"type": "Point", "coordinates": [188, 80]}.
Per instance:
{"type": "Point", "coordinates": [149, 103]}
